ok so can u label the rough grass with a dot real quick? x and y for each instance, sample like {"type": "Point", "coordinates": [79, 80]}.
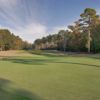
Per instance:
{"type": "Point", "coordinates": [47, 77]}
{"type": "Point", "coordinates": [11, 53]}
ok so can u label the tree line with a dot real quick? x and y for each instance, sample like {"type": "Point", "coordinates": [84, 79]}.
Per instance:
{"type": "Point", "coordinates": [82, 36]}
{"type": "Point", "coordinates": [8, 41]}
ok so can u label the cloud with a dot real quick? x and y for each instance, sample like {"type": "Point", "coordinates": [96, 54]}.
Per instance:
{"type": "Point", "coordinates": [30, 32]}
{"type": "Point", "coordinates": [56, 29]}
{"type": "Point", "coordinates": [19, 17]}
{"type": "Point", "coordinates": [4, 2]}
{"type": "Point", "coordinates": [8, 4]}
{"type": "Point", "coordinates": [20, 20]}
{"type": "Point", "coordinates": [98, 12]}
{"type": "Point", "coordinates": [9, 12]}
{"type": "Point", "coordinates": [35, 30]}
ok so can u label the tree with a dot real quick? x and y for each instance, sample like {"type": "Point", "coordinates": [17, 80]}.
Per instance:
{"type": "Point", "coordinates": [76, 42]}
{"type": "Point", "coordinates": [88, 20]}
{"type": "Point", "coordinates": [82, 35]}
{"type": "Point", "coordinates": [9, 41]}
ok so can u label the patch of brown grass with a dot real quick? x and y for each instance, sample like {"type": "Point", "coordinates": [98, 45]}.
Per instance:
{"type": "Point", "coordinates": [12, 53]}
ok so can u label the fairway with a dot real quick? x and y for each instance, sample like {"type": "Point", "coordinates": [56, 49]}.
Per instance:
{"type": "Point", "coordinates": [49, 50]}
{"type": "Point", "coordinates": [50, 77]}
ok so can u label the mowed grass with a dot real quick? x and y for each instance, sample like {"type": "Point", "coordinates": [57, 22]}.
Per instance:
{"type": "Point", "coordinates": [46, 77]}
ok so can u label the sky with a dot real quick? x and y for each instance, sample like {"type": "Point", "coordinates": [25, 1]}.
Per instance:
{"type": "Point", "coordinates": [32, 19]}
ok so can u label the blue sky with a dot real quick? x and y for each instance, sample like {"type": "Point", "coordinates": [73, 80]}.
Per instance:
{"type": "Point", "coordinates": [32, 19]}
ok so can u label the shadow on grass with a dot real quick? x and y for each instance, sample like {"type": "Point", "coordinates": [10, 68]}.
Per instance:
{"type": "Point", "coordinates": [15, 94]}
{"type": "Point", "coordinates": [75, 63]}
{"type": "Point", "coordinates": [47, 53]}
{"type": "Point", "coordinates": [29, 61]}
{"type": "Point", "coordinates": [94, 57]}
{"type": "Point", "coordinates": [44, 61]}
{"type": "Point", "coordinates": [52, 57]}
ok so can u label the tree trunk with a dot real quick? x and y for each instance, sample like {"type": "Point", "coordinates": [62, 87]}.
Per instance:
{"type": "Point", "coordinates": [64, 44]}
{"type": "Point", "coordinates": [89, 41]}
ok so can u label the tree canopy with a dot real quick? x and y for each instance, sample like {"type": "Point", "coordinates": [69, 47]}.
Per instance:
{"type": "Point", "coordinates": [82, 36]}
{"type": "Point", "coordinates": [8, 41]}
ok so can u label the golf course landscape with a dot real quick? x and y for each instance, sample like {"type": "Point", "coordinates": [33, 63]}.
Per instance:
{"type": "Point", "coordinates": [49, 76]}
{"type": "Point", "coordinates": [49, 49]}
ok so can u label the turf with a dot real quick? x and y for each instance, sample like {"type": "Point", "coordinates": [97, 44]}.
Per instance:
{"type": "Point", "coordinates": [46, 77]}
